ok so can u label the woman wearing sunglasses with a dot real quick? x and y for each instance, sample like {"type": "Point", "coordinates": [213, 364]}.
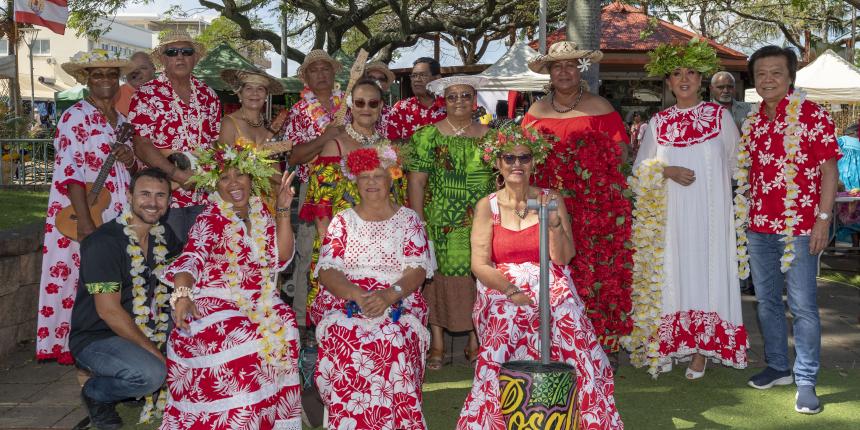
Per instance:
{"type": "Point", "coordinates": [445, 165]}
{"type": "Point", "coordinates": [506, 262]}
{"type": "Point", "coordinates": [329, 192]}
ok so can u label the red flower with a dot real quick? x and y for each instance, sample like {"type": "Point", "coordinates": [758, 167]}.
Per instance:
{"type": "Point", "coordinates": [362, 160]}
{"type": "Point", "coordinates": [43, 332]}
{"type": "Point", "coordinates": [46, 311]}
{"type": "Point", "coordinates": [68, 302]}
{"type": "Point", "coordinates": [60, 270]}
{"type": "Point", "coordinates": [61, 331]}
{"type": "Point", "coordinates": [52, 288]}
{"type": "Point", "coordinates": [63, 242]}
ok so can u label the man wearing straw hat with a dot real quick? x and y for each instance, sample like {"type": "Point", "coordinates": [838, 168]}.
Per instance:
{"type": "Point", "coordinates": [176, 113]}
{"type": "Point", "coordinates": [86, 136]}
{"type": "Point", "coordinates": [308, 128]}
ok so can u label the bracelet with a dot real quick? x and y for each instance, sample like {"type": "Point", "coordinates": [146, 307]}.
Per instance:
{"type": "Point", "coordinates": [178, 293]}
{"type": "Point", "coordinates": [512, 292]}
{"type": "Point", "coordinates": [281, 210]}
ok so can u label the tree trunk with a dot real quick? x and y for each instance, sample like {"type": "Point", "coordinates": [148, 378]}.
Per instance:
{"type": "Point", "coordinates": [583, 28]}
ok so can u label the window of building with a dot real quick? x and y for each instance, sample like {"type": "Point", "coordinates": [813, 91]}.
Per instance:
{"type": "Point", "coordinates": [4, 47]}
{"type": "Point", "coordinates": [41, 47]}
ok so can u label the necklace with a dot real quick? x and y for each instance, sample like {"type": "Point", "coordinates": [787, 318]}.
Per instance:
{"type": "Point", "coordinates": [458, 131]}
{"type": "Point", "coordinates": [566, 109]}
{"type": "Point", "coordinates": [522, 214]}
{"type": "Point", "coordinates": [112, 122]}
{"type": "Point", "coordinates": [254, 124]}
{"type": "Point", "coordinates": [360, 138]}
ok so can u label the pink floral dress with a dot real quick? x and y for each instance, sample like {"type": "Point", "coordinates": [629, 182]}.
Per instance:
{"type": "Point", "coordinates": [370, 371]}
{"type": "Point", "coordinates": [509, 332]}
{"type": "Point", "coordinates": [81, 146]}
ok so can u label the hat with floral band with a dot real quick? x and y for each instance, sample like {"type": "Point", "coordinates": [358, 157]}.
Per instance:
{"type": "Point", "coordinates": [80, 62]}
{"type": "Point", "coordinates": [565, 50]}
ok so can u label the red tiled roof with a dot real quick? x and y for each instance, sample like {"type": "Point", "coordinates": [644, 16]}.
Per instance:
{"type": "Point", "coordinates": [622, 24]}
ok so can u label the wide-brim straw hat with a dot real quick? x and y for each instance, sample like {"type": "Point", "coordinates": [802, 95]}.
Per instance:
{"type": "Point", "coordinates": [382, 67]}
{"type": "Point", "coordinates": [235, 78]}
{"type": "Point", "coordinates": [176, 36]}
{"type": "Point", "coordinates": [315, 56]}
{"type": "Point", "coordinates": [80, 62]}
{"type": "Point", "coordinates": [564, 50]}
{"type": "Point", "coordinates": [439, 85]}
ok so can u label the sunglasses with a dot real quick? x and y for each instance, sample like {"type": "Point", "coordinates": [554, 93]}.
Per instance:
{"type": "Point", "coordinates": [172, 52]}
{"type": "Point", "coordinates": [465, 95]}
{"type": "Point", "coordinates": [509, 159]}
{"type": "Point", "coordinates": [360, 103]}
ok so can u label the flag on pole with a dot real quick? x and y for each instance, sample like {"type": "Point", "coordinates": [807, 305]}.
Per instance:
{"type": "Point", "coordinates": [52, 14]}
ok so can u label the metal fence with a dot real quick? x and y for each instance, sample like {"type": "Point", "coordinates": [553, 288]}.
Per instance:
{"type": "Point", "coordinates": [26, 161]}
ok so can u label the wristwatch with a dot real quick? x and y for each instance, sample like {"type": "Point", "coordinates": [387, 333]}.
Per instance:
{"type": "Point", "coordinates": [824, 216]}
{"type": "Point", "coordinates": [398, 289]}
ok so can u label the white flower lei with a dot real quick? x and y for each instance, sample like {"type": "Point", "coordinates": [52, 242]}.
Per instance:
{"type": "Point", "coordinates": [275, 346]}
{"type": "Point", "coordinates": [791, 144]}
{"type": "Point", "coordinates": [140, 310]}
{"type": "Point", "coordinates": [649, 237]}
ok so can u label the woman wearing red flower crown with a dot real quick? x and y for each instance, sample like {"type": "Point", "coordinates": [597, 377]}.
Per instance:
{"type": "Point", "coordinates": [693, 145]}
{"type": "Point", "coordinates": [506, 262]}
{"type": "Point", "coordinates": [590, 132]}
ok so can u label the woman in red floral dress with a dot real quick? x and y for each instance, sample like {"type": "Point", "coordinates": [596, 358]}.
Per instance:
{"type": "Point", "coordinates": [370, 314]}
{"type": "Point", "coordinates": [592, 134]}
{"type": "Point", "coordinates": [506, 262]}
{"type": "Point", "coordinates": [232, 361]}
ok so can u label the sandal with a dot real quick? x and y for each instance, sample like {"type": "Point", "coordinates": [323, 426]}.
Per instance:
{"type": "Point", "coordinates": [696, 374]}
{"type": "Point", "coordinates": [434, 359]}
{"type": "Point", "coordinates": [471, 356]}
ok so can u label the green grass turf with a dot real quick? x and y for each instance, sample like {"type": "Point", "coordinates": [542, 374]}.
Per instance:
{"type": "Point", "coordinates": [18, 207]}
{"type": "Point", "coordinates": [721, 400]}
{"type": "Point", "coordinates": [846, 278]}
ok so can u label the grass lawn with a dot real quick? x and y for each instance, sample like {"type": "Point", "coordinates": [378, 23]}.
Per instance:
{"type": "Point", "coordinates": [721, 400]}
{"type": "Point", "coordinates": [20, 207]}
{"type": "Point", "coordinates": [845, 278]}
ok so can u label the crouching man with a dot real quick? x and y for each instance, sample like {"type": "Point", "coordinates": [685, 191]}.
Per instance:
{"type": "Point", "coordinates": [121, 315]}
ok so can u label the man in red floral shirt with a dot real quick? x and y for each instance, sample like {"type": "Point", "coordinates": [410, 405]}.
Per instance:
{"type": "Point", "coordinates": [421, 109]}
{"type": "Point", "coordinates": [308, 129]}
{"type": "Point", "coordinates": [789, 151]}
{"type": "Point", "coordinates": [176, 113]}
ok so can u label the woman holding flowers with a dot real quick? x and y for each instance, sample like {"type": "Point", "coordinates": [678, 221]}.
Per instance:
{"type": "Point", "coordinates": [369, 313]}
{"type": "Point", "coordinates": [506, 262]}
{"type": "Point", "coordinates": [445, 165]}
{"type": "Point", "coordinates": [686, 296]}
{"type": "Point", "coordinates": [585, 165]}
{"type": "Point", "coordinates": [232, 361]}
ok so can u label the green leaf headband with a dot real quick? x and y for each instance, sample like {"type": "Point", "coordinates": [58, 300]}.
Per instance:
{"type": "Point", "coordinates": [697, 55]}
{"type": "Point", "coordinates": [506, 137]}
{"type": "Point", "coordinates": [243, 156]}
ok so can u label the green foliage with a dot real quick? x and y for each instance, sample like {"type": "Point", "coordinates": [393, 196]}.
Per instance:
{"type": "Point", "coordinates": [697, 55]}
{"type": "Point", "coordinates": [222, 30]}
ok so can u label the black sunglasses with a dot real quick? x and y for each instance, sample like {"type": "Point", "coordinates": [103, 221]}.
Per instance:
{"type": "Point", "coordinates": [359, 103]}
{"type": "Point", "coordinates": [172, 52]}
{"type": "Point", "coordinates": [465, 95]}
{"type": "Point", "coordinates": [510, 158]}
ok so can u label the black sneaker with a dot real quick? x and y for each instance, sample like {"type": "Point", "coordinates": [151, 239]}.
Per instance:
{"type": "Point", "coordinates": [806, 401]}
{"type": "Point", "coordinates": [769, 377]}
{"type": "Point", "coordinates": [103, 416]}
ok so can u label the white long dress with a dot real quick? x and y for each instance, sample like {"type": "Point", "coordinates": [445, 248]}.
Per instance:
{"type": "Point", "coordinates": [701, 309]}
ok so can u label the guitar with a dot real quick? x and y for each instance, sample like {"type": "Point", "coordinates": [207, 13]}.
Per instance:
{"type": "Point", "coordinates": [98, 198]}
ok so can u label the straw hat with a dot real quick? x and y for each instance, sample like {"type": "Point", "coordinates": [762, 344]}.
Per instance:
{"type": "Point", "coordinates": [235, 78]}
{"type": "Point", "coordinates": [439, 85]}
{"type": "Point", "coordinates": [80, 62]}
{"type": "Point", "coordinates": [564, 50]}
{"type": "Point", "coordinates": [382, 67]}
{"type": "Point", "coordinates": [176, 36]}
{"type": "Point", "coordinates": [313, 57]}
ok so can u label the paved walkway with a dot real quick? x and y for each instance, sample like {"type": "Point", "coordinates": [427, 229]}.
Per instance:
{"type": "Point", "coordinates": [45, 396]}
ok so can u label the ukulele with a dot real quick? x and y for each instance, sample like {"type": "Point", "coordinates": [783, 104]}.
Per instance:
{"type": "Point", "coordinates": [98, 198]}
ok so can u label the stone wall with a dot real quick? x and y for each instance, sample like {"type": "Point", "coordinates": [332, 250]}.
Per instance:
{"type": "Point", "coordinates": [20, 269]}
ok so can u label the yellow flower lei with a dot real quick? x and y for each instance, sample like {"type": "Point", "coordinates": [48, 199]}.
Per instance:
{"type": "Point", "coordinates": [140, 310]}
{"type": "Point", "coordinates": [274, 349]}
{"type": "Point", "coordinates": [649, 237]}
{"type": "Point", "coordinates": [791, 144]}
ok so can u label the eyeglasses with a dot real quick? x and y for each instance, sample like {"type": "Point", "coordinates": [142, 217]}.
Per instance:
{"type": "Point", "coordinates": [360, 103]}
{"type": "Point", "coordinates": [509, 159]}
{"type": "Point", "coordinates": [420, 76]}
{"type": "Point", "coordinates": [172, 52]}
{"type": "Point", "coordinates": [465, 95]}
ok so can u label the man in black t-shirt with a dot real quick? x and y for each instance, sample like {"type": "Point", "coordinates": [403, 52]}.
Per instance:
{"type": "Point", "coordinates": [120, 316]}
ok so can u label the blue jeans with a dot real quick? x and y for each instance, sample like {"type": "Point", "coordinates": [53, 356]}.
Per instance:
{"type": "Point", "coordinates": [120, 370]}
{"type": "Point", "coordinates": [765, 251]}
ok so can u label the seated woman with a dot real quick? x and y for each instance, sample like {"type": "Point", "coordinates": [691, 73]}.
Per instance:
{"type": "Point", "coordinates": [369, 314]}
{"type": "Point", "coordinates": [329, 192]}
{"type": "Point", "coordinates": [506, 262]}
{"type": "Point", "coordinates": [232, 361]}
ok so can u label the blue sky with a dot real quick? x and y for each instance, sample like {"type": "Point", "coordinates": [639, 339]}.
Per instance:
{"type": "Point", "coordinates": [423, 49]}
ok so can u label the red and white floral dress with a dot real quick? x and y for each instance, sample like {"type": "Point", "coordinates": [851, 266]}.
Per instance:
{"type": "Point", "coordinates": [701, 304]}
{"type": "Point", "coordinates": [369, 372]}
{"type": "Point", "coordinates": [509, 332]}
{"type": "Point", "coordinates": [81, 146]}
{"type": "Point", "coordinates": [216, 378]}
{"type": "Point", "coordinates": [409, 114]}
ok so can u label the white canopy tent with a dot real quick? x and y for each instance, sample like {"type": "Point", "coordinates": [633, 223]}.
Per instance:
{"type": "Point", "coordinates": [511, 71]}
{"type": "Point", "coordinates": [828, 79]}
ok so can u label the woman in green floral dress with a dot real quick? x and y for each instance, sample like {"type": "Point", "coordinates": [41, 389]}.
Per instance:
{"type": "Point", "coordinates": [446, 178]}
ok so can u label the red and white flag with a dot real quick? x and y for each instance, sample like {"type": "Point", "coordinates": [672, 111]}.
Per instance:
{"type": "Point", "coordinates": [52, 14]}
